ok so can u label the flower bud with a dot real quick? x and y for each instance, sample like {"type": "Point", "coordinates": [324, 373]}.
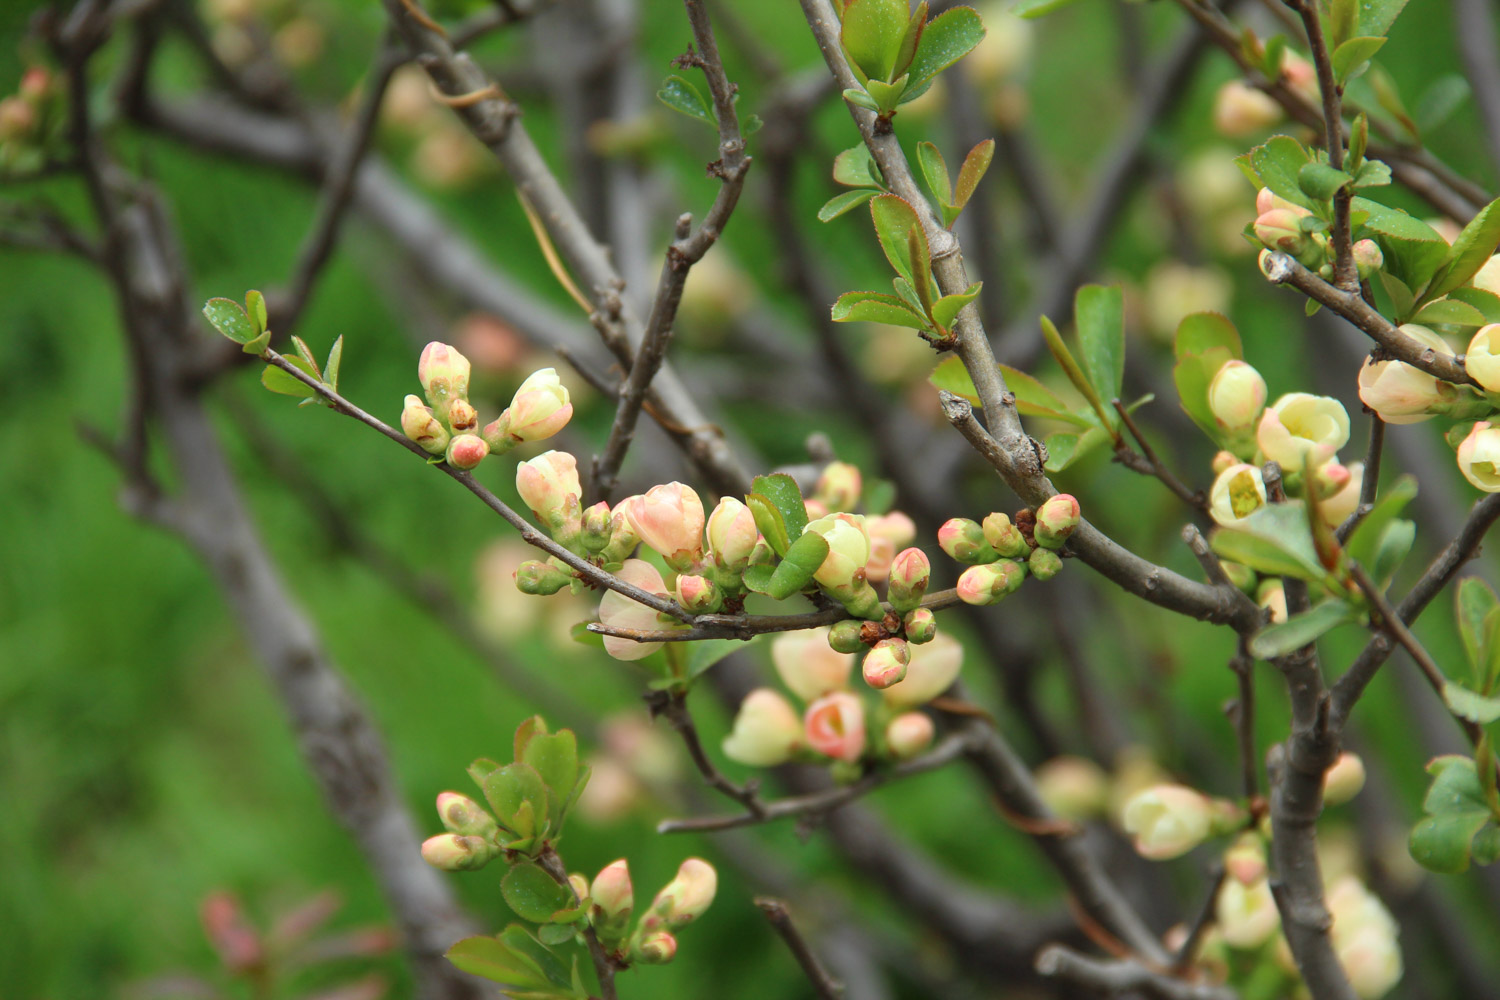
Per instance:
{"type": "Point", "coordinates": [17, 119]}
{"type": "Point", "coordinates": [239, 946]}
{"type": "Point", "coordinates": [541, 579]}
{"type": "Point", "coordinates": [766, 730]}
{"type": "Point", "coordinates": [1236, 396]}
{"type": "Point", "coordinates": [1044, 564]}
{"type": "Point", "coordinates": [1240, 110]}
{"type": "Point", "coordinates": [888, 532]}
{"type": "Point", "coordinates": [597, 530]}
{"type": "Point", "coordinates": [685, 898]}
{"type": "Point", "coordinates": [462, 815]}
{"type": "Point", "coordinates": [1075, 788]}
{"type": "Point", "coordinates": [990, 582]}
{"type": "Point", "coordinates": [834, 726]}
{"type": "Point", "coordinates": [908, 734]}
{"type": "Point", "coordinates": [1482, 360]}
{"type": "Point", "coordinates": [1280, 230]}
{"type": "Point", "coordinates": [1055, 520]}
{"type": "Point", "coordinates": [1337, 507]}
{"type": "Point", "coordinates": [418, 424]}
{"type": "Point", "coordinates": [731, 535]}
{"type": "Point", "coordinates": [1344, 779]}
{"type": "Point", "coordinates": [839, 486]}
{"type": "Point", "coordinates": [1272, 596]}
{"type": "Point", "coordinates": [657, 948]}
{"type": "Point", "coordinates": [549, 486]}
{"type": "Point", "coordinates": [1401, 393]}
{"type": "Point", "coordinates": [669, 518]}
{"type": "Point", "coordinates": [848, 550]}
{"type": "Point", "coordinates": [1246, 913]}
{"type": "Point", "coordinates": [462, 417]}
{"type": "Point", "coordinates": [1367, 258]}
{"type": "Point", "coordinates": [1300, 425]}
{"type": "Point", "coordinates": [1223, 460]}
{"type": "Point", "coordinates": [807, 663]}
{"type": "Point", "coordinates": [1167, 821]}
{"type": "Point", "coordinates": [1004, 537]}
{"type": "Point", "coordinates": [1479, 457]}
{"type": "Point", "coordinates": [920, 626]}
{"type": "Point", "coordinates": [453, 853]}
{"type": "Point", "coordinates": [885, 663]}
{"type": "Point", "coordinates": [1364, 938]}
{"type": "Point", "coordinates": [933, 668]}
{"type": "Point", "coordinates": [963, 540]}
{"type": "Point", "coordinates": [613, 899]}
{"type": "Point", "coordinates": [699, 594]}
{"type": "Point", "coordinates": [910, 572]}
{"type": "Point", "coordinates": [539, 409]}
{"type": "Point", "coordinates": [843, 637]}
{"type": "Point", "coordinates": [466, 451]}
{"type": "Point", "coordinates": [1238, 490]}
{"type": "Point", "coordinates": [444, 374]}
{"type": "Point", "coordinates": [622, 536]}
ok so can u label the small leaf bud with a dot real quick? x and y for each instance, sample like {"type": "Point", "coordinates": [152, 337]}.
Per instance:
{"type": "Point", "coordinates": [1044, 564]}
{"type": "Point", "coordinates": [1344, 779]}
{"type": "Point", "coordinates": [462, 815]}
{"type": "Point", "coordinates": [462, 417]}
{"type": "Point", "coordinates": [963, 540]}
{"type": "Point", "coordinates": [1004, 537]}
{"type": "Point", "coordinates": [920, 626]}
{"type": "Point", "coordinates": [885, 663]}
{"type": "Point", "coordinates": [540, 579]}
{"type": "Point", "coordinates": [989, 582]}
{"type": "Point", "coordinates": [844, 636]}
{"type": "Point", "coordinates": [418, 424]}
{"type": "Point", "coordinates": [908, 734]}
{"type": "Point", "coordinates": [657, 948]}
{"type": "Point", "coordinates": [910, 572]}
{"type": "Point", "coordinates": [466, 451]}
{"type": "Point", "coordinates": [1055, 520]}
{"type": "Point", "coordinates": [453, 853]}
{"type": "Point", "coordinates": [699, 594]}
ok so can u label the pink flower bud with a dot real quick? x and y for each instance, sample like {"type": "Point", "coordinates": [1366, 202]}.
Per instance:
{"type": "Point", "coordinates": [1364, 938]}
{"type": "Point", "coordinates": [834, 726]}
{"type": "Point", "coordinates": [766, 730]}
{"type": "Point", "coordinates": [17, 119]}
{"type": "Point", "coordinates": [1236, 396]}
{"type": "Point", "coordinates": [1246, 913]}
{"type": "Point", "coordinates": [618, 610]}
{"type": "Point", "coordinates": [418, 424]}
{"type": "Point", "coordinates": [539, 409]}
{"type": "Point", "coordinates": [657, 948]}
{"type": "Point", "coordinates": [1337, 507]}
{"type": "Point", "coordinates": [1280, 230]}
{"type": "Point", "coordinates": [1300, 75]}
{"type": "Point", "coordinates": [933, 668]}
{"type": "Point", "coordinates": [886, 662]}
{"type": "Point", "coordinates": [908, 734]}
{"type": "Point", "coordinates": [444, 374]}
{"type": "Point", "coordinates": [1479, 457]}
{"type": "Point", "coordinates": [466, 451]}
{"type": "Point", "coordinates": [1223, 460]}
{"type": "Point", "coordinates": [839, 486]}
{"type": "Point", "coordinates": [1402, 394]}
{"type": "Point", "coordinates": [549, 485]}
{"type": "Point", "coordinates": [1240, 110]}
{"type": "Point", "coordinates": [685, 898]}
{"type": "Point", "coordinates": [1044, 564]}
{"type": "Point", "coordinates": [1004, 537]}
{"type": "Point", "coordinates": [669, 519]}
{"type": "Point", "coordinates": [808, 665]}
{"type": "Point", "coordinates": [988, 583]}
{"type": "Point", "coordinates": [238, 945]}
{"type": "Point", "coordinates": [814, 508]}
{"type": "Point", "coordinates": [920, 626]}
{"type": "Point", "coordinates": [462, 417]}
{"type": "Point", "coordinates": [1367, 258]}
{"type": "Point", "coordinates": [462, 815]}
{"type": "Point", "coordinates": [731, 535]}
{"type": "Point", "coordinates": [848, 550]}
{"type": "Point", "coordinates": [699, 594]}
{"type": "Point", "coordinates": [1074, 788]}
{"type": "Point", "coordinates": [1245, 861]}
{"type": "Point", "coordinates": [36, 83]}
{"type": "Point", "coordinates": [1167, 821]}
{"type": "Point", "coordinates": [1300, 424]}
{"type": "Point", "coordinates": [1344, 779]}
{"type": "Point", "coordinates": [1482, 360]}
{"type": "Point", "coordinates": [1055, 520]}
{"type": "Point", "coordinates": [963, 540]}
{"type": "Point", "coordinates": [910, 573]}
{"type": "Point", "coordinates": [453, 853]}
{"type": "Point", "coordinates": [612, 893]}
{"type": "Point", "coordinates": [1238, 490]}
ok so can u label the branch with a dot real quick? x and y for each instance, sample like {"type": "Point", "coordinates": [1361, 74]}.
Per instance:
{"type": "Point", "coordinates": [604, 966]}
{"type": "Point", "coordinates": [1121, 977]}
{"type": "Point", "coordinates": [674, 706]}
{"type": "Point", "coordinates": [824, 985]}
{"type": "Point", "coordinates": [1153, 464]}
{"type": "Point", "coordinates": [1345, 276]}
{"type": "Point", "coordinates": [1474, 26]}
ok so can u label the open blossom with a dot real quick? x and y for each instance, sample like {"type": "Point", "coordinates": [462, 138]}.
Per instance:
{"type": "Point", "coordinates": [1364, 938]}
{"type": "Point", "coordinates": [934, 666]}
{"type": "Point", "coordinates": [1236, 492]}
{"type": "Point", "coordinates": [1167, 821]}
{"type": "Point", "coordinates": [834, 725]}
{"type": "Point", "coordinates": [848, 549]}
{"type": "Point", "coordinates": [669, 519]}
{"type": "Point", "coordinates": [1400, 393]}
{"type": "Point", "coordinates": [1300, 424]}
{"type": "Point", "coordinates": [619, 610]}
{"type": "Point", "coordinates": [1479, 457]}
{"type": "Point", "coordinates": [766, 730]}
{"type": "Point", "coordinates": [808, 666]}
{"type": "Point", "coordinates": [1482, 360]}
{"type": "Point", "coordinates": [539, 409]}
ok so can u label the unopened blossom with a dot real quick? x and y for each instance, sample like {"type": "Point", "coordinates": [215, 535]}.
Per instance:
{"type": "Point", "coordinates": [699, 594]}
{"type": "Point", "coordinates": [962, 539]}
{"type": "Point", "coordinates": [808, 666]}
{"type": "Point", "coordinates": [839, 486]}
{"type": "Point", "coordinates": [920, 625]}
{"type": "Point", "coordinates": [908, 734]}
{"type": "Point", "coordinates": [1479, 457]}
{"type": "Point", "coordinates": [1482, 359]}
{"type": "Point", "coordinates": [888, 534]}
{"type": "Point", "coordinates": [623, 612]}
{"type": "Point", "coordinates": [669, 519]}
{"type": "Point", "coordinates": [1364, 938]}
{"type": "Point", "coordinates": [848, 550]}
{"type": "Point", "coordinates": [910, 573]}
{"type": "Point", "coordinates": [612, 894]}
{"type": "Point", "coordinates": [444, 374]}
{"type": "Point", "coordinates": [656, 948]}
{"type": "Point", "coordinates": [1401, 393]}
{"type": "Point", "coordinates": [1344, 779]}
{"type": "Point", "coordinates": [988, 583]}
{"type": "Point", "coordinates": [933, 668]}
{"type": "Point", "coordinates": [834, 726]}
{"type": "Point", "coordinates": [1337, 507]}
{"type": "Point", "coordinates": [1004, 537]}
{"type": "Point", "coordinates": [418, 424]}
{"type": "Point", "coordinates": [549, 486]}
{"type": "Point", "coordinates": [462, 815]}
{"type": "Point", "coordinates": [1272, 597]}
{"type": "Point", "coordinates": [1055, 520]}
{"type": "Point", "coordinates": [1074, 788]}
{"type": "Point", "coordinates": [1300, 425]}
{"type": "Point", "coordinates": [462, 417]}
{"type": "Point", "coordinates": [1240, 110]}
{"type": "Point", "coordinates": [766, 732]}
{"type": "Point", "coordinates": [466, 451]}
{"type": "Point", "coordinates": [1280, 230]}
{"type": "Point", "coordinates": [1167, 821]}
{"type": "Point", "coordinates": [685, 898]}
{"type": "Point", "coordinates": [1246, 914]}
{"type": "Point", "coordinates": [885, 664]}
{"type": "Point", "coordinates": [1367, 258]}
{"type": "Point", "coordinates": [731, 535]}
{"type": "Point", "coordinates": [454, 853]}
{"type": "Point", "coordinates": [539, 409]}
{"type": "Point", "coordinates": [1236, 396]}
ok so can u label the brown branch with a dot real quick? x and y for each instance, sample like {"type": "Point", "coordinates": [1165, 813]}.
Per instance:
{"type": "Point", "coordinates": [1345, 276]}
{"type": "Point", "coordinates": [1121, 976]}
{"type": "Point", "coordinates": [1154, 465]}
{"type": "Point", "coordinates": [823, 984]}
{"type": "Point", "coordinates": [1370, 483]}
{"type": "Point", "coordinates": [605, 967]}
{"type": "Point", "coordinates": [673, 705]}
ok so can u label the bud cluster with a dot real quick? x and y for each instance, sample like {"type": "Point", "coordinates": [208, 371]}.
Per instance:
{"type": "Point", "coordinates": [1000, 552]}
{"type": "Point", "coordinates": [31, 120]}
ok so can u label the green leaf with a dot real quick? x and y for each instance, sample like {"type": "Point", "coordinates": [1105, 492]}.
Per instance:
{"type": "Point", "coordinates": [1471, 705]}
{"type": "Point", "coordinates": [257, 346]}
{"type": "Point", "coordinates": [552, 968]}
{"type": "Point", "coordinates": [1072, 369]}
{"type": "Point", "coordinates": [907, 50]}
{"type": "Point", "coordinates": [794, 572]}
{"type": "Point", "coordinates": [1488, 303]}
{"type": "Point", "coordinates": [1100, 314]}
{"type": "Point", "coordinates": [1449, 311]}
{"type": "Point", "coordinates": [872, 34]}
{"type": "Point", "coordinates": [1065, 448]}
{"type": "Point", "coordinates": [527, 731]}
{"type": "Point", "coordinates": [555, 759]}
{"type": "Point", "coordinates": [1372, 173]}
{"type": "Point", "coordinates": [894, 220]}
{"type": "Point", "coordinates": [1475, 602]}
{"type": "Point", "coordinates": [952, 376]}
{"type": "Point", "coordinates": [921, 268]}
{"type": "Point", "coordinates": [1364, 542]}
{"type": "Point", "coordinates": [1340, 21]}
{"type": "Point", "coordinates": [1277, 162]}
{"type": "Point", "coordinates": [483, 768]}
{"type": "Point", "coordinates": [533, 894]}
{"type": "Point", "coordinates": [877, 307]}
{"type": "Point", "coordinates": [1034, 399]}
{"type": "Point", "coordinates": [1438, 102]}
{"type": "Point", "coordinates": [1203, 331]}
{"type": "Point", "coordinates": [1352, 54]}
{"type": "Point", "coordinates": [1320, 181]}
{"type": "Point", "coordinates": [1392, 549]}
{"type": "Point", "coordinates": [935, 172]}
{"type": "Point", "coordinates": [1474, 246]}
{"type": "Point", "coordinates": [946, 309]}
{"type": "Point", "coordinates": [285, 384]}
{"type": "Point", "coordinates": [491, 959]}
{"type": "Point", "coordinates": [703, 655]}
{"type": "Point", "coordinates": [854, 167]}
{"type": "Point", "coordinates": [946, 39]}
{"type": "Point", "coordinates": [1272, 56]}
{"type": "Point", "coordinates": [255, 308]}
{"type": "Point", "coordinates": [860, 99]}
{"type": "Point", "coordinates": [335, 358]}
{"type": "Point", "coordinates": [1413, 250]}
{"type": "Point", "coordinates": [886, 95]}
{"type": "Point", "coordinates": [511, 788]}
{"type": "Point", "coordinates": [781, 489]}
{"type": "Point", "coordinates": [1274, 540]}
{"type": "Point", "coordinates": [974, 167]}
{"type": "Point", "coordinates": [841, 203]}
{"type": "Point", "coordinates": [1402, 299]}
{"type": "Point", "coordinates": [555, 934]}
{"type": "Point", "coordinates": [1301, 629]}
{"type": "Point", "coordinates": [305, 353]}
{"type": "Point", "coordinates": [230, 319]}
{"type": "Point", "coordinates": [1032, 9]}
{"type": "Point", "coordinates": [1376, 16]}
{"type": "Point", "coordinates": [679, 94]}
{"type": "Point", "coordinates": [1456, 812]}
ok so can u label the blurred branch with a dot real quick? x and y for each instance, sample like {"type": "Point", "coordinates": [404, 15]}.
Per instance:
{"type": "Point", "coordinates": [824, 985]}
{"type": "Point", "coordinates": [1474, 32]}
{"type": "Point", "coordinates": [1112, 977]}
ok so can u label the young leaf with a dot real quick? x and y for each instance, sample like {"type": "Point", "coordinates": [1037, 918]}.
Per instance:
{"type": "Point", "coordinates": [781, 490]}
{"type": "Point", "coordinates": [1273, 540]}
{"type": "Point", "coordinates": [1352, 54]}
{"type": "Point", "coordinates": [1203, 331]}
{"type": "Point", "coordinates": [854, 167]}
{"type": "Point", "coordinates": [1376, 16]}
{"type": "Point", "coordinates": [1471, 705]}
{"type": "Point", "coordinates": [907, 50]}
{"type": "Point", "coordinates": [1449, 311]}
{"type": "Point", "coordinates": [1475, 602]}
{"type": "Point", "coordinates": [1488, 303]}
{"type": "Point", "coordinates": [680, 95]}
{"type": "Point", "coordinates": [1341, 20]}
{"type": "Point", "coordinates": [975, 164]}
{"type": "Point", "coordinates": [1033, 399]}
{"type": "Point", "coordinates": [877, 307]}
{"type": "Point", "coordinates": [281, 382]}
{"type": "Point", "coordinates": [1100, 315]}
{"type": "Point", "coordinates": [558, 974]}
{"type": "Point", "coordinates": [555, 759]}
{"type": "Point", "coordinates": [886, 95]}
{"type": "Point", "coordinates": [952, 376]}
{"type": "Point", "coordinates": [533, 894]}
{"type": "Point", "coordinates": [860, 99]}
{"type": "Point", "coordinates": [1277, 163]}
{"type": "Point", "coordinates": [511, 788]}
{"type": "Point", "coordinates": [230, 319]}
{"type": "Point", "coordinates": [1470, 250]}
{"type": "Point", "coordinates": [1301, 629]}
{"type": "Point", "coordinates": [935, 172]}
{"type": "Point", "coordinates": [945, 310]}
{"type": "Point", "coordinates": [490, 959]}
{"type": "Point", "coordinates": [795, 570]}
{"type": "Point", "coordinates": [1364, 542]}
{"type": "Point", "coordinates": [1320, 181]}
{"type": "Point", "coordinates": [306, 354]}
{"type": "Point", "coordinates": [1456, 812]}
{"type": "Point", "coordinates": [335, 358]}
{"type": "Point", "coordinates": [1413, 250]}
{"type": "Point", "coordinates": [872, 33]}
{"type": "Point", "coordinates": [1439, 101]}
{"type": "Point", "coordinates": [921, 267]}
{"type": "Point", "coordinates": [946, 39]}
{"type": "Point", "coordinates": [255, 307]}
{"type": "Point", "coordinates": [1065, 448]}
{"type": "Point", "coordinates": [1032, 9]}
{"type": "Point", "coordinates": [841, 203]}
{"type": "Point", "coordinates": [894, 219]}
{"type": "Point", "coordinates": [703, 655]}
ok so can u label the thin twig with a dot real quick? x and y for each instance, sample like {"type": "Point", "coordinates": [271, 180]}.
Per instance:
{"type": "Point", "coordinates": [1370, 483]}
{"type": "Point", "coordinates": [1188, 953]}
{"type": "Point", "coordinates": [823, 984]}
{"type": "Point", "coordinates": [719, 626]}
{"type": "Point", "coordinates": [673, 705]}
{"type": "Point", "coordinates": [1114, 977]}
{"type": "Point", "coordinates": [1155, 466]}
{"type": "Point", "coordinates": [604, 966]}
{"type": "Point", "coordinates": [1243, 666]}
{"type": "Point", "coordinates": [1345, 276]}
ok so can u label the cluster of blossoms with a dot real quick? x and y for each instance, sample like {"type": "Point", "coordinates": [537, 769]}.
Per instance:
{"type": "Point", "coordinates": [1000, 552]}
{"type": "Point", "coordinates": [1243, 110]}
{"type": "Point", "coordinates": [1291, 229]}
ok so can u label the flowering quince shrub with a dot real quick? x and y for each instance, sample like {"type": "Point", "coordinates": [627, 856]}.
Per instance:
{"type": "Point", "coordinates": [1301, 525]}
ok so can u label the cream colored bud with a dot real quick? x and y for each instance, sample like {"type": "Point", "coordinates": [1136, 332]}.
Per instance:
{"type": "Point", "coordinates": [1344, 779]}
{"type": "Point", "coordinates": [1479, 457]}
{"type": "Point", "coordinates": [1167, 821]}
